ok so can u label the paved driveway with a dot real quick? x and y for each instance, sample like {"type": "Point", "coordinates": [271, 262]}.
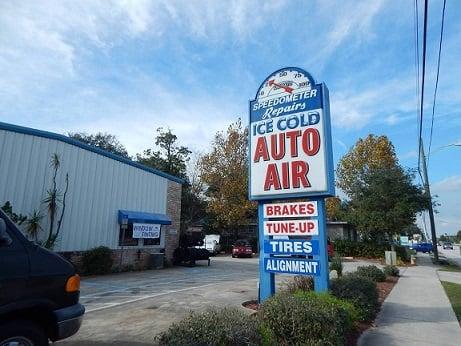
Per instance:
{"type": "Point", "coordinates": [132, 308]}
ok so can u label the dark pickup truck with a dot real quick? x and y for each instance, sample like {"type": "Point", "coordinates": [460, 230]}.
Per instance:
{"type": "Point", "coordinates": [39, 291]}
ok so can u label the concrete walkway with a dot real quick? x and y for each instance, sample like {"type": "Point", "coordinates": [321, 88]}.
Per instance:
{"type": "Point", "coordinates": [416, 312]}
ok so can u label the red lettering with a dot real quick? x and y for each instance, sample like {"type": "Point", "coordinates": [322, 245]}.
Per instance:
{"type": "Point", "coordinates": [272, 178]}
{"type": "Point", "coordinates": [278, 150]}
{"type": "Point", "coordinates": [261, 150]}
{"type": "Point", "coordinates": [277, 210]}
{"type": "Point", "coordinates": [310, 209]}
{"type": "Point", "coordinates": [293, 136]}
{"type": "Point", "coordinates": [311, 141]}
{"type": "Point", "coordinates": [285, 175]}
{"type": "Point", "coordinates": [285, 210]}
{"type": "Point", "coordinates": [302, 209]}
{"type": "Point", "coordinates": [299, 175]}
{"type": "Point", "coordinates": [269, 210]}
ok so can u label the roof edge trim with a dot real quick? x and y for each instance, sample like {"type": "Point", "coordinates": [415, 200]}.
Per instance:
{"type": "Point", "coordinates": [71, 141]}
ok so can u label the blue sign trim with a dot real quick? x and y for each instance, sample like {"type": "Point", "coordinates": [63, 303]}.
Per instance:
{"type": "Point", "coordinates": [291, 247]}
{"type": "Point", "coordinates": [292, 266]}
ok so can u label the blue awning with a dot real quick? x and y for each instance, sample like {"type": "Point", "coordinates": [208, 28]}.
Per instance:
{"type": "Point", "coordinates": [142, 217]}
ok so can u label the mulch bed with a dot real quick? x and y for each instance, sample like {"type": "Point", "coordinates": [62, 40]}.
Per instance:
{"type": "Point", "coordinates": [384, 288]}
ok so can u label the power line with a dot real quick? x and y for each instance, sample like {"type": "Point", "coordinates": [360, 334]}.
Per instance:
{"type": "Point", "coordinates": [436, 80]}
{"type": "Point", "coordinates": [417, 69]}
{"type": "Point", "coordinates": [422, 81]}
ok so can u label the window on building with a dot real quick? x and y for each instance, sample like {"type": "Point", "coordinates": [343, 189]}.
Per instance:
{"type": "Point", "coordinates": [127, 238]}
{"type": "Point", "coordinates": [152, 241]}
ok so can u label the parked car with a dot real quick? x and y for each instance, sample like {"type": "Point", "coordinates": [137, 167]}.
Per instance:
{"type": "Point", "coordinates": [448, 245]}
{"type": "Point", "coordinates": [330, 249]}
{"type": "Point", "coordinates": [39, 291]}
{"type": "Point", "coordinates": [242, 248]}
{"type": "Point", "coordinates": [423, 247]}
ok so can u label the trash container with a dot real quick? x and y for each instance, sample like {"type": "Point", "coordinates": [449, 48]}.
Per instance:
{"type": "Point", "coordinates": [156, 260]}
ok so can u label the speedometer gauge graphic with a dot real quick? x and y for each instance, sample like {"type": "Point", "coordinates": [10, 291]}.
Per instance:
{"type": "Point", "coordinates": [284, 82]}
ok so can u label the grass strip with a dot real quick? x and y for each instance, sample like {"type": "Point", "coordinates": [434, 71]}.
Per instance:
{"type": "Point", "coordinates": [454, 295]}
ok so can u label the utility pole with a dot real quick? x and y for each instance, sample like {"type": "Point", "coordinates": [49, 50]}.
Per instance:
{"type": "Point", "coordinates": [428, 194]}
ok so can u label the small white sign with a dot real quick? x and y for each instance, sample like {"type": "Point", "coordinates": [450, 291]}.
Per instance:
{"type": "Point", "coordinates": [146, 230]}
{"type": "Point", "coordinates": [296, 209]}
{"type": "Point", "coordinates": [291, 227]}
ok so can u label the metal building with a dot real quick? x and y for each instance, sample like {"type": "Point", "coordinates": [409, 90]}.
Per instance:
{"type": "Point", "coordinates": [104, 191]}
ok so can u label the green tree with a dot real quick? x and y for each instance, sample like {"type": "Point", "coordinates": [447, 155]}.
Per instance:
{"type": "Point", "coordinates": [458, 237]}
{"type": "Point", "coordinates": [373, 152]}
{"type": "Point", "coordinates": [101, 140]}
{"type": "Point", "coordinates": [224, 171]}
{"type": "Point", "coordinates": [171, 158]}
{"type": "Point", "coordinates": [385, 202]}
{"type": "Point", "coordinates": [335, 208]}
{"type": "Point", "coordinates": [193, 201]}
{"type": "Point", "coordinates": [443, 237]}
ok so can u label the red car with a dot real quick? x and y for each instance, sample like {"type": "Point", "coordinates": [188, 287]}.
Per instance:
{"type": "Point", "coordinates": [330, 249]}
{"type": "Point", "coordinates": [242, 248]}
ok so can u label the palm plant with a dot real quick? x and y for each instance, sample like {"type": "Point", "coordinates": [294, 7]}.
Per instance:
{"type": "Point", "coordinates": [52, 201]}
{"type": "Point", "coordinates": [33, 226]}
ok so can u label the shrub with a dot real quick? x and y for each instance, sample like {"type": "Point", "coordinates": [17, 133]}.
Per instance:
{"type": "Point", "coordinates": [299, 283]}
{"type": "Point", "coordinates": [358, 290]}
{"type": "Point", "coordinates": [371, 272]}
{"type": "Point", "coordinates": [403, 253]}
{"type": "Point", "coordinates": [228, 326]}
{"type": "Point", "coordinates": [391, 271]}
{"type": "Point", "coordinates": [97, 261]}
{"type": "Point", "coordinates": [369, 249]}
{"type": "Point", "coordinates": [337, 264]}
{"type": "Point", "coordinates": [306, 318]}
{"type": "Point", "coordinates": [353, 314]}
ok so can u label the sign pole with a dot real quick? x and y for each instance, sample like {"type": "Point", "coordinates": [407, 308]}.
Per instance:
{"type": "Point", "coordinates": [321, 282]}
{"type": "Point", "coordinates": [266, 279]}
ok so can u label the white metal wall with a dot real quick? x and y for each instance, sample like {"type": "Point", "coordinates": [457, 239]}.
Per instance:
{"type": "Point", "coordinates": [98, 187]}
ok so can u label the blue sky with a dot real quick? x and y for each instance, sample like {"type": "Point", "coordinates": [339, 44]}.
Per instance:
{"type": "Point", "coordinates": [128, 67]}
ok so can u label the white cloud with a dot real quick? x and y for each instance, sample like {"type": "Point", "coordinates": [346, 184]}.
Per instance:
{"type": "Point", "coordinates": [354, 108]}
{"type": "Point", "coordinates": [448, 185]}
{"type": "Point", "coordinates": [352, 23]}
{"type": "Point", "coordinates": [448, 218]}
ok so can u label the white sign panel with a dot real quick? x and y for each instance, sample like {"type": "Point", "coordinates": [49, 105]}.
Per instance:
{"type": "Point", "coordinates": [291, 227]}
{"type": "Point", "coordinates": [146, 230]}
{"type": "Point", "coordinates": [290, 144]}
{"type": "Point", "coordinates": [296, 209]}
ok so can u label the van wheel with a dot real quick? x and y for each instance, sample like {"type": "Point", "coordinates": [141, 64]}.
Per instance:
{"type": "Point", "coordinates": [22, 333]}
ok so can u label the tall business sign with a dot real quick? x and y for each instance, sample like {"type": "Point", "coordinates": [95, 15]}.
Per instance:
{"type": "Point", "coordinates": [291, 159]}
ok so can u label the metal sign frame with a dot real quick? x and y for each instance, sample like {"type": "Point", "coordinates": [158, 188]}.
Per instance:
{"type": "Point", "coordinates": [320, 257]}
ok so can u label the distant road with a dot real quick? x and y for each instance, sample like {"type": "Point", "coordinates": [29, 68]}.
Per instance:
{"type": "Point", "coordinates": [454, 254]}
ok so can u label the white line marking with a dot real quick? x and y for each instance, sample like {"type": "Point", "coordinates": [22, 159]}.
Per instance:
{"type": "Point", "coordinates": [122, 289]}
{"type": "Point", "coordinates": [145, 297]}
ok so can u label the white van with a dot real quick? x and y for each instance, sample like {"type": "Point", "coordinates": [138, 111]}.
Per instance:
{"type": "Point", "coordinates": [211, 243]}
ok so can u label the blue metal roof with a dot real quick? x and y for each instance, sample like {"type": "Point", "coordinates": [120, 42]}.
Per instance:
{"type": "Point", "coordinates": [68, 140]}
{"type": "Point", "coordinates": [143, 217]}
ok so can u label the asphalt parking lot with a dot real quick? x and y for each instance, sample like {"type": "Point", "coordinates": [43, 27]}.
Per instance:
{"type": "Point", "coordinates": [132, 308]}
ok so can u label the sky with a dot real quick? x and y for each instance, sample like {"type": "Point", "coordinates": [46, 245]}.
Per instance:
{"type": "Point", "coordinates": [128, 67]}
